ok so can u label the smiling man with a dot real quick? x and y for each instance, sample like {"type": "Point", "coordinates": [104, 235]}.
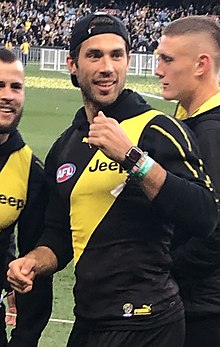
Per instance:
{"type": "Point", "coordinates": [22, 203]}
{"type": "Point", "coordinates": [115, 199]}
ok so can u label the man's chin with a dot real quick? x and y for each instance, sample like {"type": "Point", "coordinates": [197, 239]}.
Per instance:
{"type": "Point", "coordinates": [167, 97]}
{"type": "Point", "coordinates": [11, 127]}
{"type": "Point", "coordinates": [4, 129]}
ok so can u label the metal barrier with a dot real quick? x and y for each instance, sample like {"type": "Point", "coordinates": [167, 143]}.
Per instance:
{"type": "Point", "coordinates": [140, 64]}
{"type": "Point", "coordinates": [54, 59]}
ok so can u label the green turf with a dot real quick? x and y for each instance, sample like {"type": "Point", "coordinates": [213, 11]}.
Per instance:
{"type": "Point", "coordinates": [50, 105]}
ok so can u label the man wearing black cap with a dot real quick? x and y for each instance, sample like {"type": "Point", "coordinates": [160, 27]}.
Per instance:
{"type": "Point", "coordinates": [122, 176]}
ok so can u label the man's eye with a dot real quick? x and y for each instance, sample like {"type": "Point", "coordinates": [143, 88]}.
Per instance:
{"type": "Point", "coordinates": [167, 59]}
{"type": "Point", "coordinates": [116, 55]}
{"type": "Point", "coordinates": [16, 86]}
{"type": "Point", "coordinates": [94, 55]}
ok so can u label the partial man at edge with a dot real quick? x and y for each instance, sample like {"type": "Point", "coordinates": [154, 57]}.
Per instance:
{"type": "Point", "coordinates": [23, 197]}
{"type": "Point", "coordinates": [189, 63]}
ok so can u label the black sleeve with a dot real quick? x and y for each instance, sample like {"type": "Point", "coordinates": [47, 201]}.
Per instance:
{"type": "Point", "coordinates": [208, 135]}
{"type": "Point", "coordinates": [186, 198]}
{"type": "Point", "coordinates": [31, 221]}
{"type": "Point", "coordinates": [57, 234]}
{"type": "Point", "coordinates": [195, 256]}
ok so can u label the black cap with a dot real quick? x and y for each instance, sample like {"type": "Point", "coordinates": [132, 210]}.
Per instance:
{"type": "Point", "coordinates": [84, 29]}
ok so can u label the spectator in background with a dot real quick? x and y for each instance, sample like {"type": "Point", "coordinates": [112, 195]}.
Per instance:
{"type": "Point", "coordinates": [25, 47]}
{"type": "Point", "coordinates": [137, 16]}
{"type": "Point", "coordinates": [8, 45]}
{"type": "Point", "coordinates": [189, 73]}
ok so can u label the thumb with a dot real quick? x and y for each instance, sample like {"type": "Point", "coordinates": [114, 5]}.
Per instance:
{"type": "Point", "coordinates": [27, 267]}
{"type": "Point", "coordinates": [101, 114]}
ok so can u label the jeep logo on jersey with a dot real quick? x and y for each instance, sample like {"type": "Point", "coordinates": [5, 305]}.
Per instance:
{"type": "Point", "coordinates": [65, 172]}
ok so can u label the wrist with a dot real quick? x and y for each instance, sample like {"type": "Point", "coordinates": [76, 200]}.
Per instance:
{"type": "Point", "coordinates": [131, 157]}
{"type": "Point", "coordinates": [141, 168]}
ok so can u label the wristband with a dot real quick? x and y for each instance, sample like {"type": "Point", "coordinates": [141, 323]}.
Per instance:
{"type": "Point", "coordinates": [142, 167]}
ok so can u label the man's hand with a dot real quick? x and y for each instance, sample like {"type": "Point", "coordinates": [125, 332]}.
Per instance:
{"type": "Point", "coordinates": [106, 134]}
{"type": "Point", "coordinates": [21, 274]}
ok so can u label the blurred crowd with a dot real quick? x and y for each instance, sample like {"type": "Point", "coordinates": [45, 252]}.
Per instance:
{"type": "Point", "coordinates": [49, 23]}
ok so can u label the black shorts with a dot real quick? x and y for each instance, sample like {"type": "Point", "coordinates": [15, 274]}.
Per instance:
{"type": "Point", "coordinates": [170, 335]}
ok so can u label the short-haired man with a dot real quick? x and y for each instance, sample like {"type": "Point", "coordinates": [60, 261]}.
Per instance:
{"type": "Point", "coordinates": [122, 176]}
{"type": "Point", "coordinates": [22, 195]}
{"type": "Point", "coordinates": [189, 62]}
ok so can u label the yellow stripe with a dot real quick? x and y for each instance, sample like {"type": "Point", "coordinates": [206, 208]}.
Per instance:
{"type": "Point", "coordinates": [134, 130]}
{"type": "Point", "coordinates": [178, 146]}
{"type": "Point", "coordinates": [182, 131]}
{"type": "Point", "coordinates": [91, 197]}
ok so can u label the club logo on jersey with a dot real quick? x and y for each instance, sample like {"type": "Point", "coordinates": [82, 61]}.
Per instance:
{"type": "Point", "coordinates": [65, 172]}
{"type": "Point", "coordinates": [128, 308]}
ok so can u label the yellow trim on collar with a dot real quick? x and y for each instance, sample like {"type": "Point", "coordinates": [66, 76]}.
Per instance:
{"type": "Point", "coordinates": [213, 102]}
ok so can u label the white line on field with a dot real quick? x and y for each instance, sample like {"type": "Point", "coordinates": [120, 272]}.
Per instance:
{"type": "Point", "coordinates": [61, 320]}
{"type": "Point", "coordinates": [155, 96]}
{"type": "Point", "coordinates": [50, 320]}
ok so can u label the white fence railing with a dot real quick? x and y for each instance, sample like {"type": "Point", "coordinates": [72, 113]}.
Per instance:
{"type": "Point", "coordinates": [140, 64]}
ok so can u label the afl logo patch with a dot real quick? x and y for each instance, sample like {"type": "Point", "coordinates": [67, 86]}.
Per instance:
{"type": "Point", "coordinates": [65, 172]}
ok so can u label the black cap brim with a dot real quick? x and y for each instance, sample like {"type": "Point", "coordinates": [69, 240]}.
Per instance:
{"type": "Point", "coordinates": [74, 80]}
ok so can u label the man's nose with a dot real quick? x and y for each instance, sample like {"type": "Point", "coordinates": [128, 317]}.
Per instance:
{"type": "Point", "coordinates": [106, 64]}
{"type": "Point", "coordinates": [6, 93]}
{"type": "Point", "coordinates": [158, 71]}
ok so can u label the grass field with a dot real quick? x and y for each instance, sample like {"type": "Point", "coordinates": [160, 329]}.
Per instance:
{"type": "Point", "coordinates": [51, 102]}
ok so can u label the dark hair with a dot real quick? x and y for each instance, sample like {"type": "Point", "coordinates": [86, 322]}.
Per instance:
{"type": "Point", "coordinates": [95, 24]}
{"type": "Point", "coordinates": [7, 56]}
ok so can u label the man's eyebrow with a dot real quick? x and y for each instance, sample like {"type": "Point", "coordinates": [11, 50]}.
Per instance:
{"type": "Point", "coordinates": [96, 50]}
{"type": "Point", "coordinates": [118, 50]}
{"type": "Point", "coordinates": [93, 50]}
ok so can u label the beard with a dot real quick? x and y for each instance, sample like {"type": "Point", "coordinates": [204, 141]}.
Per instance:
{"type": "Point", "coordinates": [90, 98]}
{"type": "Point", "coordinates": [101, 101]}
{"type": "Point", "coordinates": [10, 128]}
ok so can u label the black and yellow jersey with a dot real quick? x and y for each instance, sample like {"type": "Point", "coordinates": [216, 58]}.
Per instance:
{"type": "Point", "coordinates": [205, 123]}
{"type": "Point", "coordinates": [22, 181]}
{"type": "Point", "coordinates": [23, 197]}
{"type": "Point", "coordinates": [121, 242]}
{"type": "Point", "coordinates": [197, 261]}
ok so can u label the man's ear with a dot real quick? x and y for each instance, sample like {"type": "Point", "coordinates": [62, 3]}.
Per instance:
{"type": "Point", "coordinates": [203, 64]}
{"type": "Point", "coordinates": [71, 65]}
{"type": "Point", "coordinates": [72, 69]}
{"type": "Point", "coordinates": [129, 60]}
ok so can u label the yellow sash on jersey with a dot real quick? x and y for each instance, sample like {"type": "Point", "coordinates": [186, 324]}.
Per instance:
{"type": "Point", "coordinates": [13, 186]}
{"type": "Point", "coordinates": [91, 197]}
